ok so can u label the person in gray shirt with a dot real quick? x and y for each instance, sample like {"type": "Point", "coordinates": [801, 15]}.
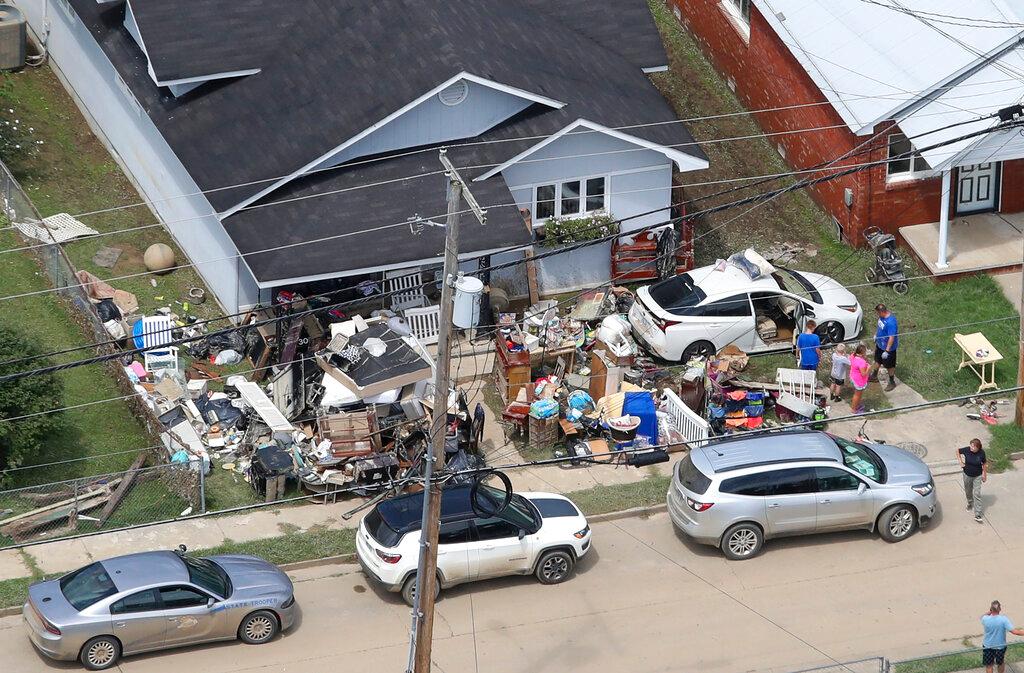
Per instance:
{"type": "Point", "coordinates": [840, 369]}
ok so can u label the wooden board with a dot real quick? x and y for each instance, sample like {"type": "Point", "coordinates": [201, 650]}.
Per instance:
{"type": "Point", "coordinates": [531, 277]}
{"type": "Point", "coordinates": [122, 489]}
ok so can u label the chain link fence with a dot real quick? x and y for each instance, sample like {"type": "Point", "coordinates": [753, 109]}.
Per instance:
{"type": "Point", "coordinates": [100, 502]}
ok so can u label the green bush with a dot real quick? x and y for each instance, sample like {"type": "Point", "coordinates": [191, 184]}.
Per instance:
{"type": "Point", "coordinates": [563, 230]}
{"type": "Point", "coordinates": [29, 395]}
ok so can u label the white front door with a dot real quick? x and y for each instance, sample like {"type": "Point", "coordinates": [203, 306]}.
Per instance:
{"type": "Point", "coordinates": [977, 187]}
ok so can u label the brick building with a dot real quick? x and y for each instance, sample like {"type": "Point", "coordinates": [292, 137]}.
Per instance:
{"type": "Point", "coordinates": [852, 81]}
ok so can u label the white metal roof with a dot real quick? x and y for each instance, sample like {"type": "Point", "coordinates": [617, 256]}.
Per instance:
{"type": "Point", "coordinates": [872, 62]}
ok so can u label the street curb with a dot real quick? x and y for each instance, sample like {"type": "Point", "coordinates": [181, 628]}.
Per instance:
{"type": "Point", "coordinates": [315, 562]}
{"type": "Point", "coordinates": [629, 513]}
{"type": "Point", "coordinates": [10, 612]}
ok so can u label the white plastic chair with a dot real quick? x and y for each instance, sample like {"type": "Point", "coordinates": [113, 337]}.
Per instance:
{"type": "Point", "coordinates": [156, 332]}
{"type": "Point", "coordinates": [407, 289]}
{"type": "Point", "coordinates": [425, 323]}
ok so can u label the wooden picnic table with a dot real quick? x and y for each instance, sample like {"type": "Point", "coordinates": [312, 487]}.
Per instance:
{"type": "Point", "coordinates": [980, 356]}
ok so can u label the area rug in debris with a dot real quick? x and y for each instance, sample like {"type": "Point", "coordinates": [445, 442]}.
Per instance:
{"type": "Point", "coordinates": [58, 228]}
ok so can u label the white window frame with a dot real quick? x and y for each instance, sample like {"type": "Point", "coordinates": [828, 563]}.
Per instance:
{"type": "Point", "coordinates": [557, 184]}
{"type": "Point", "coordinates": [733, 10]}
{"type": "Point", "coordinates": [905, 176]}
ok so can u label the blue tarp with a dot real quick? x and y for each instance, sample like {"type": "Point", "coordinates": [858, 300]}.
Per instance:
{"type": "Point", "coordinates": [642, 405]}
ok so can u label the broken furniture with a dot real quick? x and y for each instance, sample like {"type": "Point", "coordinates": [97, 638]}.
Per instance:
{"type": "Point", "coordinates": [350, 433]}
{"type": "Point", "coordinates": [374, 361]}
{"type": "Point", "coordinates": [269, 471]}
{"type": "Point", "coordinates": [978, 354]}
{"type": "Point", "coordinates": [511, 371]}
{"type": "Point", "coordinates": [425, 323]}
{"type": "Point", "coordinates": [800, 383]}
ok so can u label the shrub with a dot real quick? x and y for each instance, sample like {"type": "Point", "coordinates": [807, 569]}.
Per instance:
{"type": "Point", "coordinates": [29, 395]}
{"type": "Point", "coordinates": [563, 230]}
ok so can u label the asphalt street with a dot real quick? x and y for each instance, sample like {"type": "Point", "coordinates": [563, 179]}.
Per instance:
{"type": "Point", "coordinates": [648, 600]}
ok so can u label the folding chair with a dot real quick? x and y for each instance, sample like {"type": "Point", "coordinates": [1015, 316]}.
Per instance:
{"type": "Point", "coordinates": [425, 323]}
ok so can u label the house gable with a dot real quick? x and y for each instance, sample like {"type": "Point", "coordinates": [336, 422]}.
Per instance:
{"type": "Point", "coordinates": [596, 146]}
{"type": "Point", "coordinates": [444, 113]}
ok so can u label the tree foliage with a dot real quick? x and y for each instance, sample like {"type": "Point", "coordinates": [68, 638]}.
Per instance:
{"type": "Point", "coordinates": [20, 439]}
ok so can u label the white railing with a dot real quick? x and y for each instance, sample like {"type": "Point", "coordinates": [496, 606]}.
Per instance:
{"type": "Point", "coordinates": [695, 430]}
{"type": "Point", "coordinates": [801, 383]}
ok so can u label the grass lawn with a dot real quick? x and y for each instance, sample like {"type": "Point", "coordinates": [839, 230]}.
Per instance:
{"type": "Point", "coordinates": [960, 661]}
{"type": "Point", "coordinates": [927, 361]}
{"type": "Point", "coordinates": [72, 172]}
{"type": "Point", "coordinates": [1006, 439]}
{"type": "Point", "coordinates": [616, 497]}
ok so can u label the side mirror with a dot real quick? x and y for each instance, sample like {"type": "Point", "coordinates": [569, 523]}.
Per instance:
{"type": "Point", "coordinates": [860, 489]}
{"type": "Point", "coordinates": [522, 533]}
{"type": "Point", "coordinates": [210, 602]}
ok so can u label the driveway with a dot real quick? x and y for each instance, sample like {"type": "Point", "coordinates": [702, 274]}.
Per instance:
{"type": "Point", "coordinates": [647, 600]}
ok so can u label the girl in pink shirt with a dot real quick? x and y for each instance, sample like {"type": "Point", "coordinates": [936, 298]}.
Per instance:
{"type": "Point", "coordinates": [858, 377]}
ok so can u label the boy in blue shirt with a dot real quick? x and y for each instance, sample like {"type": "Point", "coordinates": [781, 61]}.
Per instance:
{"type": "Point", "coordinates": [808, 347]}
{"type": "Point", "coordinates": [993, 646]}
{"type": "Point", "coordinates": [887, 340]}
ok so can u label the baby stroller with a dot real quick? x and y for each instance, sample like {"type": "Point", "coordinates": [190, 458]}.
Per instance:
{"type": "Point", "coordinates": [888, 266]}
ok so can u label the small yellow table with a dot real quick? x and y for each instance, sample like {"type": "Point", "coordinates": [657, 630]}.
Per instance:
{"type": "Point", "coordinates": [978, 353]}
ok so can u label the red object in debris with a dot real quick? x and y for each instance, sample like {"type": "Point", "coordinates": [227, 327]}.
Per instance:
{"type": "Point", "coordinates": [638, 260]}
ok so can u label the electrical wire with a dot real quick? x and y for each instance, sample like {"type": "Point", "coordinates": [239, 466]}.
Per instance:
{"type": "Point", "coordinates": [752, 199]}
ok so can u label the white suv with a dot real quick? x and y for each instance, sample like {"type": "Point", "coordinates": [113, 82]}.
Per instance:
{"type": "Point", "coordinates": [537, 533]}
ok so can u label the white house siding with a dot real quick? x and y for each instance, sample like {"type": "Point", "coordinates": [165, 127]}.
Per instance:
{"type": "Point", "coordinates": [640, 180]}
{"type": "Point", "coordinates": [433, 122]}
{"type": "Point", "coordinates": [140, 149]}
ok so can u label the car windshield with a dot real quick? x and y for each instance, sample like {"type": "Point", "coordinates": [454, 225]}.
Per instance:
{"type": "Point", "coordinates": [862, 459]}
{"type": "Point", "coordinates": [794, 283]}
{"type": "Point", "coordinates": [87, 585]}
{"type": "Point", "coordinates": [206, 574]}
{"type": "Point", "coordinates": [676, 292]}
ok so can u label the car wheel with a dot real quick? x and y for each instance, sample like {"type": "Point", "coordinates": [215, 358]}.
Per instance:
{"type": "Point", "coordinates": [555, 567]}
{"type": "Point", "coordinates": [698, 349]}
{"type": "Point", "coordinates": [409, 591]}
{"type": "Point", "coordinates": [258, 627]}
{"type": "Point", "coordinates": [831, 332]}
{"type": "Point", "coordinates": [100, 653]}
{"type": "Point", "coordinates": [742, 541]}
{"type": "Point", "coordinates": [897, 523]}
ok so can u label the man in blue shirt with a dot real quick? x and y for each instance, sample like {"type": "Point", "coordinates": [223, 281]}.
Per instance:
{"type": "Point", "coordinates": [808, 347]}
{"type": "Point", "coordinates": [994, 645]}
{"type": "Point", "coordinates": [887, 340]}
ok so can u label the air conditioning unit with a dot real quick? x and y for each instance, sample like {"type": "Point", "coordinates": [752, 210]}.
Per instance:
{"type": "Point", "coordinates": [13, 37]}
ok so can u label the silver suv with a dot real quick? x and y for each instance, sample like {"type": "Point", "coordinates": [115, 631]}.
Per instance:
{"type": "Point", "coordinates": [734, 493]}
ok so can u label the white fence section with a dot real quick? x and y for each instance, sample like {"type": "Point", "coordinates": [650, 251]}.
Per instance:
{"type": "Point", "coordinates": [800, 383]}
{"type": "Point", "coordinates": [695, 430]}
{"type": "Point", "coordinates": [425, 323]}
{"type": "Point", "coordinates": [408, 289]}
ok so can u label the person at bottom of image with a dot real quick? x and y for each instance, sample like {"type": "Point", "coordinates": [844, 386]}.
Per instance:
{"type": "Point", "coordinates": [996, 625]}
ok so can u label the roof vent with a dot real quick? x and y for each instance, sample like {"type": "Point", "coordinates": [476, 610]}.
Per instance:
{"type": "Point", "coordinates": [454, 94]}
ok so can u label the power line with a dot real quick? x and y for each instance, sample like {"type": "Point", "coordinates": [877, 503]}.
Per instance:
{"type": "Point", "coordinates": [752, 199]}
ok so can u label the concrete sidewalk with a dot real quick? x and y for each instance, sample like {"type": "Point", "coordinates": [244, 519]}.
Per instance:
{"type": "Point", "coordinates": [940, 429]}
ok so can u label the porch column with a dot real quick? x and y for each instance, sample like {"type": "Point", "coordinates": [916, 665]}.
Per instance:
{"type": "Point", "coordinates": [942, 263]}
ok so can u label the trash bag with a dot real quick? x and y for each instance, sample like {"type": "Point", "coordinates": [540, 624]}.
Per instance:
{"type": "Point", "coordinates": [461, 462]}
{"type": "Point", "coordinates": [228, 357]}
{"type": "Point", "coordinates": [108, 310]}
{"type": "Point", "coordinates": [218, 411]}
{"type": "Point", "coordinates": [229, 341]}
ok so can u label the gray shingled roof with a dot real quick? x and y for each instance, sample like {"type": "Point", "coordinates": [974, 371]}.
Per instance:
{"type": "Point", "coordinates": [345, 65]}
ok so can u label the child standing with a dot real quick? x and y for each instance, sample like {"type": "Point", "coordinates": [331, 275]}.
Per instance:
{"type": "Point", "coordinates": [859, 369]}
{"type": "Point", "coordinates": [808, 347]}
{"type": "Point", "coordinates": [840, 368]}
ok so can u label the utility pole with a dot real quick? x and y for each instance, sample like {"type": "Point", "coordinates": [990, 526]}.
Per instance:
{"type": "Point", "coordinates": [426, 569]}
{"type": "Point", "coordinates": [1019, 415]}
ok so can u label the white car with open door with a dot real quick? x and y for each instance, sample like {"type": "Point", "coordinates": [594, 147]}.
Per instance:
{"type": "Point", "coordinates": [700, 312]}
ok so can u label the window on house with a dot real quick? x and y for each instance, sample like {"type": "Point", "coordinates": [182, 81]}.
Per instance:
{"type": "Point", "coordinates": [595, 194]}
{"type": "Point", "coordinates": [545, 202]}
{"type": "Point", "coordinates": [905, 166]}
{"type": "Point", "coordinates": [570, 198]}
{"type": "Point", "coordinates": [740, 9]}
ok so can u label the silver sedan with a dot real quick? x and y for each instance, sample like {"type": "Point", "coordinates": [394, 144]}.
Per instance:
{"type": "Point", "coordinates": [157, 600]}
